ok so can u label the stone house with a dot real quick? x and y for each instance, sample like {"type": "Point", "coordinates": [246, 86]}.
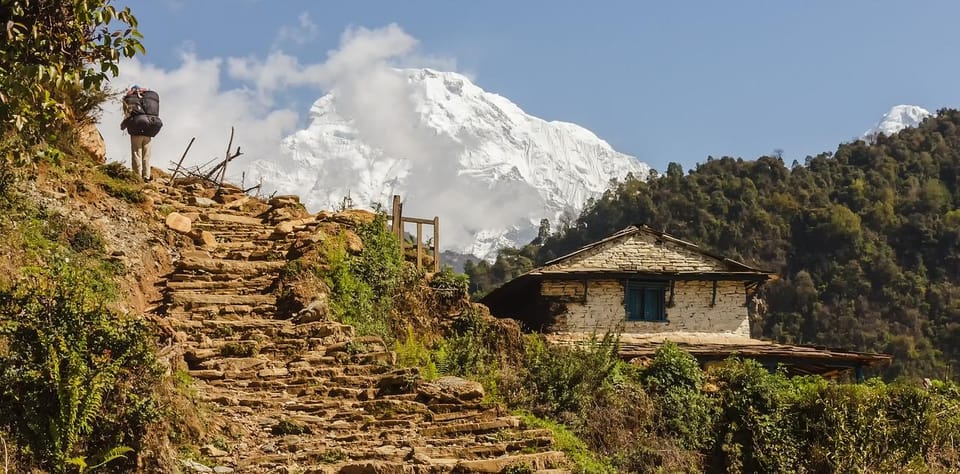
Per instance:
{"type": "Point", "coordinates": [649, 287]}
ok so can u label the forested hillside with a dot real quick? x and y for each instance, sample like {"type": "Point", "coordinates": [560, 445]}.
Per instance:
{"type": "Point", "coordinates": [866, 240]}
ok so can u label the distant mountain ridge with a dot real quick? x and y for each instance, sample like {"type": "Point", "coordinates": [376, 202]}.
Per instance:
{"type": "Point", "coordinates": [485, 167]}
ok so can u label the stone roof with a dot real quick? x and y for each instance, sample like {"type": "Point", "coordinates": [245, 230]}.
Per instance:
{"type": "Point", "coordinates": [643, 249]}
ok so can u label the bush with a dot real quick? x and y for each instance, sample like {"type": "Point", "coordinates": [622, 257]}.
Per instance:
{"type": "Point", "coordinates": [85, 238]}
{"type": "Point", "coordinates": [684, 412]}
{"type": "Point", "coordinates": [755, 423]}
{"type": "Point", "coordinates": [413, 352]}
{"type": "Point", "coordinates": [77, 391]}
{"type": "Point", "coordinates": [362, 287]}
{"type": "Point", "coordinates": [561, 381]}
{"type": "Point", "coordinates": [450, 287]}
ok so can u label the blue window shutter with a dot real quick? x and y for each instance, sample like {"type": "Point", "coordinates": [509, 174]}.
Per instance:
{"type": "Point", "coordinates": [651, 307]}
{"type": "Point", "coordinates": [633, 297]}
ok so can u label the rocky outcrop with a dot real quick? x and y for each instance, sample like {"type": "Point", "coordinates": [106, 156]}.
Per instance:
{"type": "Point", "coordinates": [305, 393]}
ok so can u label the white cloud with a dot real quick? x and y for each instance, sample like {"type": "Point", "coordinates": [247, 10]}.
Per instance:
{"type": "Point", "coordinates": [302, 33]}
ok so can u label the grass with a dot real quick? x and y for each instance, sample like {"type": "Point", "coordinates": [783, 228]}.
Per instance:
{"type": "Point", "coordinates": [235, 349]}
{"type": "Point", "coordinates": [586, 461]}
{"type": "Point", "coordinates": [287, 426]}
{"type": "Point", "coordinates": [119, 182]}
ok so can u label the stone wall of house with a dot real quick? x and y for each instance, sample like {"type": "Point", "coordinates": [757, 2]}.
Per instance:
{"type": "Point", "coordinates": [641, 252]}
{"type": "Point", "coordinates": [598, 306]}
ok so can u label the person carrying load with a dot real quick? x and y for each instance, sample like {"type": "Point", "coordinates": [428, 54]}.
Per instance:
{"type": "Point", "coordinates": [141, 112]}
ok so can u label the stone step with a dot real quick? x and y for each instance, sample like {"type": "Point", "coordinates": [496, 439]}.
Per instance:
{"type": "Point", "coordinates": [485, 450]}
{"type": "Point", "coordinates": [235, 234]}
{"type": "Point", "coordinates": [542, 460]}
{"type": "Point", "coordinates": [252, 245]}
{"type": "Point", "coordinates": [232, 267]}
{"type": "Point", "coordinates": [472, 427]}
{"type": "Point", "coordinates": [205, 312]}
{"type": "Point", "coordinates": [251, 285]}
{"type": "Point", "coordinates": [191, 299]}
{"type": "Point", "coordinates": [232, 218]}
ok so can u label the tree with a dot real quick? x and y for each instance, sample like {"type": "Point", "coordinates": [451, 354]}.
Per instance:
{"type": "Point", "coordinates": [55, 59]}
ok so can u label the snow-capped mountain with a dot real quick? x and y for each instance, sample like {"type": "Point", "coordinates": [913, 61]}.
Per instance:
{"type": "Point", "coordinates": [898, 118]}
{"type": "Point", "coordinates": [450, 149]}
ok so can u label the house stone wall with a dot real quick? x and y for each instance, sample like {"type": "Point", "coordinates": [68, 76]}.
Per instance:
{"type": "Point", "coordinates": [641, 252]}
{"type": "Point", "coordinates": [598, 305]}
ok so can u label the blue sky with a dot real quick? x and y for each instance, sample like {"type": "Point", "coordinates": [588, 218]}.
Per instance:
{"type": "Point", "coordinates": [663, 81]}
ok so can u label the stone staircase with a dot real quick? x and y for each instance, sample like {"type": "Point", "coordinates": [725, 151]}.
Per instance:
{"type": "Point", "coordinates": [311, 397]}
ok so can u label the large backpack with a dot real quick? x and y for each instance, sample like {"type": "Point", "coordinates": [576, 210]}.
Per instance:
{"type": "Point", "coordinates": [144, 113]}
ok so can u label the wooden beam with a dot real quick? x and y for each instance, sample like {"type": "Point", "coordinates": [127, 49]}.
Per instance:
{"type": "Point", "coordinates": [417, 220]}
{"type": "Point", "coordinates": [713, 302]}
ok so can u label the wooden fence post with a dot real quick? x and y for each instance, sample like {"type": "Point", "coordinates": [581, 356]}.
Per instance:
{"type": "Point", "coordinates": [436, 244]}
{"type": "Point", "coordinates": [419, 245]}
{"type": "Point", "coordinates": [397, 226]}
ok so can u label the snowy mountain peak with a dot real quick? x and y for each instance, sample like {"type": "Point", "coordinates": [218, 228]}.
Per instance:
{"type": "Point", "coordinates": [898, 118]}
{"type": "Point", "coordinates": [474, 158]}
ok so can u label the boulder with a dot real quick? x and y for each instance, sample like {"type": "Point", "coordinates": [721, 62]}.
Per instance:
{"type": "Point", "coordinates": [353, 242]}
{"type": "Point", "coordinates": [201, 201]}
{"type": "Point", "coordinates": [354, 217]}
{"type": "Point", "coordinates": [205, 239]}
{"type": "Point", "coordinates": [91, 141]}
{"type": "Point", "coordinates": [284, 201]}
{"type": "Point", "coordinates": [178, 222]}
{"type": "Point", "coordinates": [449, 390]}
{"type": "Point", "coordinates": [213, 451]}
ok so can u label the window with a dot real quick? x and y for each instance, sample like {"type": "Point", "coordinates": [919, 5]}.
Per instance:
{"type": "Point", "coordinates": [644, 300]}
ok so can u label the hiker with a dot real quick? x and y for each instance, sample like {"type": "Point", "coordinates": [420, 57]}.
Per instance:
{"type": "Point", "coordinates": [141, 110]}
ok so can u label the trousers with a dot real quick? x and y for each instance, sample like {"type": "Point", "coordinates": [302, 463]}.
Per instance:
{"type": "Point", "coordinates": [140, 156]}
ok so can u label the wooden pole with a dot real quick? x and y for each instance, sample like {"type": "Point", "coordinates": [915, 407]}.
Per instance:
{"type": "Point", "coordinates": [436, 244]}
{"type": "Point", "coordinates": [397, 228]}
{"type": "Point", "coordinates": [174, 175]}
{"type": "Point", "coordinates": [419, 246]}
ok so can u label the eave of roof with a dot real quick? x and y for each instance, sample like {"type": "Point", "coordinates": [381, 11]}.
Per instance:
{"type": "Point", "coordinates": [752, 348]}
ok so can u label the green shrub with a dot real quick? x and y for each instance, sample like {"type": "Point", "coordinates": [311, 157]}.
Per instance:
{"type": "Point", "coordinates": [755, 423]}
{"type": "Point", "coordinates": [85, 238]}
{"type": "Point", "coordinates": [449, 286]}
{"type": "Point", "coordinates": [77, 391]}
{"type": "Point", "coordinates": [54, 56]}
{"type": "Point", "coordinates": [363, 287]}
{"type": "Point", "coordinates": [413, 352]}
{"type": "Point", "coordinates": [675, 381]}
{"type": "Point", "coordinates": [562, 381]}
